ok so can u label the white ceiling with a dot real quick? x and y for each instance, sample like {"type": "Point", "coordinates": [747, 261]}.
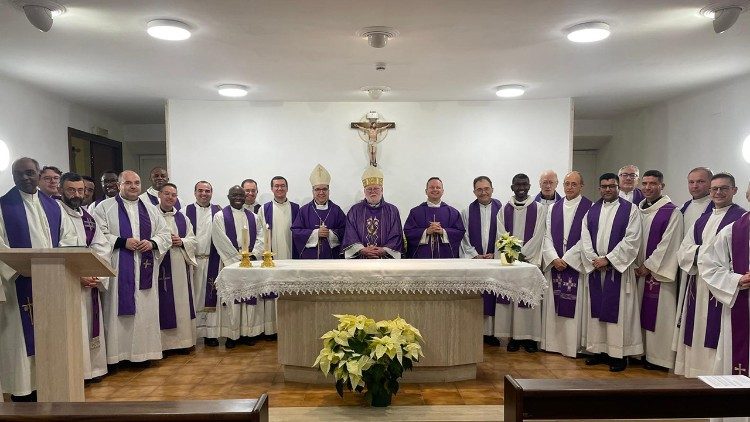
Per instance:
{"type": "Point", "coordinates": [99, 55]}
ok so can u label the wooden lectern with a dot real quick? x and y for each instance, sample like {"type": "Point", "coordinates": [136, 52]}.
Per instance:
{"type": "Point", "coordinates": [56, 314]}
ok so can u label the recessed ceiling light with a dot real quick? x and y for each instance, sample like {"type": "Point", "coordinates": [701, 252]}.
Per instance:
{"type": "Point", "coordinates": [510, 91]}
{"type": "Point", "coordinates": [375, 91]}
{"type": "Point", "coordinates": [232, 90]}
{"type": "Point", "coordinates": [588, 32]}
{"type": "Point", "coordinates": [167, 29]}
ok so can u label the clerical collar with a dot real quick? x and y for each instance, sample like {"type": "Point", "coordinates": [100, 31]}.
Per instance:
{"type": "Point", "coordinates": [703, 199]}
{"type": "Point", "coordinates": [374, 205]}
{"type": "Point", "coordinates": [166, 211]}
{"type": "Point", "coordinates": [321, 207]}
{"type": "Point", "coordinates": [286, 201]}
{"type": "Point", "coordinates": [131, 201]}
{"type": "Point", "coordinates": [433, 205]}
{"type": "Point", "coordinates": [576, 199]}
{"type": "Point", "coordinates": [647, 204]}
{"type": "Point", "coordinates": [515, 201]}
{"type": "Point", "coordinates": [237, 209]}
{"type": "Point", "coordinates": [207, 206]}
{"type": "Point", "coordinates": [551, 198]}
{"type": "Point", "coordinates": [29, 196]}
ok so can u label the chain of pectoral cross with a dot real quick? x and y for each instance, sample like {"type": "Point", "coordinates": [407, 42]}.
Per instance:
{"type": "Point", "coordinates": [322, 224]}
{"type": "Point", "coordinates": [29, 307]}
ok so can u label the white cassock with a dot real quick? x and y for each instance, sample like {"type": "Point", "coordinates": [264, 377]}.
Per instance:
{"type": "Point", "coordinates": [205, 319]}
{"type": "Point", "coordinates": [696, 360]}
{"type": "Point", "coordinates": [95, 361]}
{"type": "Point", "coordinates": [512, 320]}
{"type": "Point", "coordinates": [136, 338]}
{"type": "Point", "coordinates": [281, 232]}
{"type": "Point", "coordinates": [17, 370]}
{"type": "Point", "coordinates": [469, 251]}
{"type": "Point", "coordinates": [182, 261]}
{"type": "Point", "coordinates": [239, 319]}
{"type": "Point", "coordinates": [624, 338]}
{"type": "Point", "coordinates": [662, 263]}
{"type": "Point", "coordinates": [715, 266]}
{"type": "Point", "coordinates": [694, 209]}
{"type": "Point", "coordinates": [561, 334]}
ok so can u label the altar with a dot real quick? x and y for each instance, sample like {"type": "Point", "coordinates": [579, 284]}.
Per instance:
{"type": "Point", "coordinates": [441, 297]}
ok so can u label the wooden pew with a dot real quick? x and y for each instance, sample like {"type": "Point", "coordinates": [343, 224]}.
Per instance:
{"type": "Point", "coordinates": [246, 410]}
{"type": "Point", "coordinates": [533, 399]}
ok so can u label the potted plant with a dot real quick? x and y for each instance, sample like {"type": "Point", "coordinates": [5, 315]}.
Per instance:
{"type": "Point", "coordinates": [369, 356]}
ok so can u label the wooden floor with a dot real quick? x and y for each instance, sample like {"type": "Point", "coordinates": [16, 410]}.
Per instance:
{"type": "Point", "coordinates": [248, 371]}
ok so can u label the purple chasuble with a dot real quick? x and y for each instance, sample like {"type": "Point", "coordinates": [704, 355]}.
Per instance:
{"type": "Point", "coordinates": [17, 231]}
{"type": "Point", "coordinates": [713, 314]}
{"type": "Point", "coordinates": [231, 232]}
{"type": "Point", "coordinates": [213, 258]}
{"type": "Point", "coordinates": [740, 312]}
{"type": "Point", "coordinates": [604, 297]}
{"type": "Point", "coordinates": [528, 233]}
{"type": "Point", "coordinates": [310, 218]}
{"type": "Point", "coordinates": [89, 227]}
{"type": "Point", "coordinates": [650, 301]}
{"type": "Point", "coordinates": [475, 239]}
{"type": "Point", "coordinates": [268, 216]}
{"type": "Point", "coordinates": [420, 218]}
{"type": "Point", "coordinates": [538, 197]}
{"type": "Point", "coordinates": [167, 312]}
{"type": "Point", "coordinates": [373, 226]}
{"type": "Point", "coordinates": [565, 282]}
{"type": "Point", "coordinates": [155, 201]}
{"type": "Point", "coordinates": [126, 258]}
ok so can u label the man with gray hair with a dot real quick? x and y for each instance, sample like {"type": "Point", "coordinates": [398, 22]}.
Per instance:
{"type": "Point", "coordinates": [548, 184]}
{"type": "Point", "coordinates": [629, 175]}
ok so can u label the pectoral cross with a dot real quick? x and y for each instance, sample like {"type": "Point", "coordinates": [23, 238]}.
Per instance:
{"type": "Point", "coordinates": [320, 239]}
{"type": "Point", "coordinates": [29, 307]}
{"type": "Point", "coordinates": [739, 369]}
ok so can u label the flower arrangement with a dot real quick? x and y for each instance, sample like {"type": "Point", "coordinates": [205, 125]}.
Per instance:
{"type": "Point", "coordinates": [369, 356]}
{"type": "Point", "coordinates": [509, 248]}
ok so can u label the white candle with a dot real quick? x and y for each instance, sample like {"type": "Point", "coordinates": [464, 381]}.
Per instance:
{"type": "Point", "coordinates": [268, 238]}
{"type": "Point", "coordinates": [245, 239]}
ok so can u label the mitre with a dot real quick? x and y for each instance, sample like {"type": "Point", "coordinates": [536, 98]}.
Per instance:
{"type": "Point", "coordinates": [372, 176]}
{"type": "Point", "coordinates": [320, 176]}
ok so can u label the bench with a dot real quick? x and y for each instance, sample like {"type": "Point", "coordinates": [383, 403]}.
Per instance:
{"type": "Point", "coordinates": [247, 410]}
{"type": "Point", "coordinates": [533, 399]}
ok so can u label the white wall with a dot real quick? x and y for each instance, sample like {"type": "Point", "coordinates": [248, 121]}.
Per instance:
{"type": "Point", "coordinates": [34, 123]}
{"type": "Point", "coordinates": [703, 128]}
{"type": "Point", "coordinates": [225, 142]}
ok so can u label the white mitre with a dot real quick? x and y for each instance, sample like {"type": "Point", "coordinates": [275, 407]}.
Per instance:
{"type": "Point", "coordinates": [320, 176]}
{"type": "Point", "coordinates": [372, 176]}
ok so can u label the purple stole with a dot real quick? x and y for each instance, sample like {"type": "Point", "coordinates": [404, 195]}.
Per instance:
{"type": "Point", "coordinates": [167, 312]}
{"type": "Point", "coordinates": [605, 299]}
{"type": "Point", "coordinates": [708, 209]}
{"type": "Point", "coordinates": [740, 312]}
{"type": "Point", "coordinates": [650, 301]}
{"type": "Point", "coordinates": [713, 315]}
{"type": "Point", "coordinates": [638, 196]}
{"type": "Point", "coordinates": [89, 227]}
{"type": "Point", "coordinates": [231, 233]}
{"type": "Point", "coordinates": [126, 259]}
{"type": "Point", "coordinates": [268, 215]}
{"type": "Point", "coordinates": [538, 197]}
{"type": "Point", "coordinates": [475, 239]}
{"type": "Point", "coordinates": [213, 257]}
{"type": "Point", "coordinates": [528, 233]}
{"type": "Point", "coordinates": [565, 302]}
{"type": "Point", "coordinates": [155, 201]}
{"type": "Point", "coordinates": [17, 230]}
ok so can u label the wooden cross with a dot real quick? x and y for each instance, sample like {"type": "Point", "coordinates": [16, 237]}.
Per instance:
{"type": "Point", "coordinates": [372, 128]}
{"type": "Point", "coordinates": [739, 369]}
{"type": "Point", "coordinates": [29, 307]}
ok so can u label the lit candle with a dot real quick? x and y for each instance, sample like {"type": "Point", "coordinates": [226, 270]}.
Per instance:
{"type": "Point", "coordinates": [245, 239]}
{"type": "Point", "coordinates": [267, 240]}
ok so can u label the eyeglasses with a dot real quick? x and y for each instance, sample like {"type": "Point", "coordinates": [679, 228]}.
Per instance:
{"type": "Point", "coordinates": [483, 190]}
{"type": "Point", "coordinates": [373, 190]}
{"type": "Point", "coordinates": [628, 175]}
{"type": "Point", "coordinates": [51, 178]}
{"type": "Point", "coordinates": [605, 187]}
{"type": "Point", "coordinates": [717, 189]}
{"type": "Point", "coordinates": [320, 190]}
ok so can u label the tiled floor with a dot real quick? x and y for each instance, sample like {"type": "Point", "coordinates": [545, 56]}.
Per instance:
{"type": "Point", "coordinates": [248, 371]}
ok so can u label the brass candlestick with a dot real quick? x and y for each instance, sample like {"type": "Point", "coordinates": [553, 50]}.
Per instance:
{"type": "Point", "coordinates": [267, 260]}
{"type": "Point", "coordinates": [245, 261]}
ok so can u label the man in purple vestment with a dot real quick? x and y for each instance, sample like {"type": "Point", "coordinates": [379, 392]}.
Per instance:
{"type": "Point", "coordinates": [548, 184]}
{"type": "Point", "coordinates": [373, 226]}
{"type": "Point", "coordinates": [628, 176]}
{"type": "Point", "coordinates": [480, 221]}
{"type": "Point", "coordinates": [433, 229]}
{"type": "Point", "coordinates": [318, 229]}
{"type": "Point", "coordinates": [49, 181]}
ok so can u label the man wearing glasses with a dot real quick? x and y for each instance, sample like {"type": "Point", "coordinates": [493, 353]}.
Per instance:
{"type": "Point", "coordinates": [49, 179]}
{"type": "Point", "coordinates": [610, 239]}
{"type": "Point", "coordinates": [698, 329]}
{"type": "Point", "coordinates": [628, 176]}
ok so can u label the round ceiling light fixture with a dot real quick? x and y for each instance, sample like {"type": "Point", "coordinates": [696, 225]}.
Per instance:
{"type": "Point", "coordinates": [232, 90]}
{"type": "Point", "coordinates": [375, 92]}
{"type": "Point", "coordinates": [588, 32]}
{"type": "Point", "coordinates": [168, 29]}
{"type": "Point", "coordinates": [724, 13]}
{"type": "Point", "coordinates": [40, 13]}
{"type": "Point", "coordinates": [377, 36]}
{"type": "Point", "coordinates": [510, 91]}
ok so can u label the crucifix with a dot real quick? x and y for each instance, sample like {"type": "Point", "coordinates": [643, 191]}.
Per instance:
{"type": "Point", "coordinates": [29, 307]}
{"type": "Point", "coordinates": [372, 131]}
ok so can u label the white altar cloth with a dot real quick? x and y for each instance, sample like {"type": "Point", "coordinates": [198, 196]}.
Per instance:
{"type": "Point", "coordinates": [520, 281]}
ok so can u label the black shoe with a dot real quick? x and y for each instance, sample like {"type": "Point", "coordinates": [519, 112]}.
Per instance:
{"type": "Point", "coordinates": [651, 367]}
{"type": "Point", "coordinates": [617, 365]}
{"type": "Point", "coordinates": [29, 398]}
{"type": "Point", "coordinates": [140, 365]}
{"type": "Point", "coordinates": [112, 368]}
{"type": "Point", "coordinates": [530, 346]}
{"type": "Point", "coordinates": [184, 352]}
{"type": "Point", "coordinates": [597, 359]}
{"type": "Point", "coordinates": [94, 380]}
{"type": "Point", "coordinates": [211, 342]}
{"type": "Point", "coordinates": [247, 341]}
{"type": "Point", "coordinates": [271, 337]}
{"type": "Point", "coordinates": [513, 345]}
{"type": "Point", "coordinates": [491, 341]}
{"type": "Point", "coordinates": [230, 344]}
